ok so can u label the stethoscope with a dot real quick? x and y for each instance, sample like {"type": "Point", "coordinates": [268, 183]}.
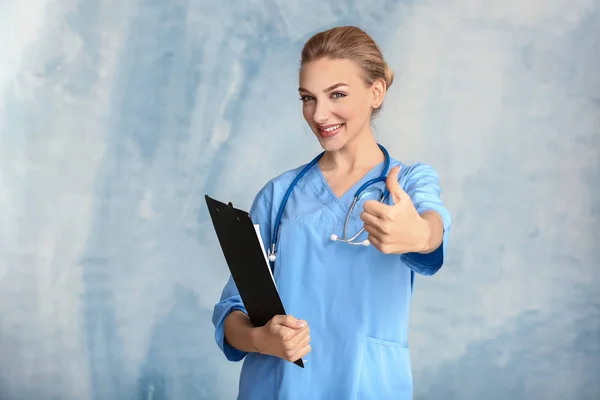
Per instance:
{"type": "Point", "coordinates": [272, 255]}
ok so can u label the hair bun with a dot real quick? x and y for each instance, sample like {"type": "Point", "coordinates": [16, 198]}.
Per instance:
{"type": "Point", "coordinates": [389, 76]}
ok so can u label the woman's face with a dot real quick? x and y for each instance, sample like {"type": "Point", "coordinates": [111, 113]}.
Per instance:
{"type": "Point", "coordinates": [336, 102]}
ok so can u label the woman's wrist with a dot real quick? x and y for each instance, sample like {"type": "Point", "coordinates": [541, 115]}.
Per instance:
{"type": "Point", "coordinates": [424, 239]}
{"type": "Point", "coordinates": [256, 334]}
{"type": "Point", "coordinates": [240, 333]}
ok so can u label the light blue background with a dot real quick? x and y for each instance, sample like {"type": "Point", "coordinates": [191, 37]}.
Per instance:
{"type": "Point", "coordinates": [117, 117]}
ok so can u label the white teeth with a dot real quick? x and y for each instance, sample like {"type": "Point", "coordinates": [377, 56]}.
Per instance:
{"type": "Point", "coordinates": [333, 128]}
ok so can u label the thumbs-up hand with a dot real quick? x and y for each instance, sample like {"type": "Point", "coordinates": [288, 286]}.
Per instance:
{"type": "Point", "coordinates": [396, 228]}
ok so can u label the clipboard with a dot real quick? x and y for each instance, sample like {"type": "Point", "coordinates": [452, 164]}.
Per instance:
{"type": "Point", "coordinates": [244, 253]}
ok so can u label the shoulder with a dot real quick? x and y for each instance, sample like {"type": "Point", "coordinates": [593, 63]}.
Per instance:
{"type": "Point", "coordinates": [421, 182]}
{"type": "Point", "coordinates": [276, 187]}
{"type": "Point", "coordinates": [415, 173]}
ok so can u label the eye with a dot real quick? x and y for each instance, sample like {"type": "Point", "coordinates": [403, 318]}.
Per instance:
{"type": "Point", "coordinates": [338, 95]}
{"type": "Point", "coordinates": [306, 98]}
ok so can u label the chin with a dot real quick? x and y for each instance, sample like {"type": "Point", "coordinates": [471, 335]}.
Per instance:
{"type": "Point", "coordinates": [331, 145]}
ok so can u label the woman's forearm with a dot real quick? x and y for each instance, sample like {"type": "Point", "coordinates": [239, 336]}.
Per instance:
{"type": "Point", "coordinates": [240, 333]}
{"type": "Point", "coordinates": [435, 232]}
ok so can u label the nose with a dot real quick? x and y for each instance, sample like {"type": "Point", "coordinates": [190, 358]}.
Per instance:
{"type": "Point", "coordinates": [321, 113]}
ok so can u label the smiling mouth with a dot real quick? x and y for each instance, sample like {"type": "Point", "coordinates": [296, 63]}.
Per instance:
{"type": "Point", "coordinates": [330, 130]}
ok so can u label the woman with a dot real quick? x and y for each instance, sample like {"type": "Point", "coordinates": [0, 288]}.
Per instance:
{"type": "Point", "coordinates": [348, 304]}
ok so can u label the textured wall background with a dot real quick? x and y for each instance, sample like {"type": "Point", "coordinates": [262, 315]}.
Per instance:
{"type": "Point", "coordinates": [117, 117]}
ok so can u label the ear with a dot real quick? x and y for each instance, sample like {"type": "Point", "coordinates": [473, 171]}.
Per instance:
{"type": "Point", "coordinates": [378, 92]}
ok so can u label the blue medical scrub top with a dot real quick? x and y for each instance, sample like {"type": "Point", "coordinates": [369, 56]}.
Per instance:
{"type": "Point", "coordinates": [355, 299]}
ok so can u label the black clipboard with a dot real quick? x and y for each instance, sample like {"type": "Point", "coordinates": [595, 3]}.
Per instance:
{"type": "Point", "coordinates": [246, 261]}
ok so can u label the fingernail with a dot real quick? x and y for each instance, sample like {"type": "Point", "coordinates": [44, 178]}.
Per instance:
{"type": "Point", "coordinates": [300, 324]}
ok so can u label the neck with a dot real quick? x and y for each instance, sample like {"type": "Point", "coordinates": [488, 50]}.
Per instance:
{"type": "Point", "coordinates": [360, 153]}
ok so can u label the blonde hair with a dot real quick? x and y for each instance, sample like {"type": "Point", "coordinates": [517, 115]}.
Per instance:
{"type": "Point", "coordinates": [350, 43]}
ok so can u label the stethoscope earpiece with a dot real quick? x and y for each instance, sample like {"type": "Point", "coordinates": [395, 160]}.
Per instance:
{"type": "Point", "coordinates": [335, 237]}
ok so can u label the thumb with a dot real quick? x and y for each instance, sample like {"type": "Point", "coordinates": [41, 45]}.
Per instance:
{"type": "Point", "coordinates": [290, 321]}
{"type": "Point", "coordinates": [393, 185]}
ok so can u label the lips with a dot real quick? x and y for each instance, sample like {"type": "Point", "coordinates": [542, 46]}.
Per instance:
{"type": "Point", "coordinates": [327, 131]}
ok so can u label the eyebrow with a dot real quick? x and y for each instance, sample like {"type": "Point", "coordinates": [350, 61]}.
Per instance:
{"type": "Point", "coordinates": [329, 89]}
